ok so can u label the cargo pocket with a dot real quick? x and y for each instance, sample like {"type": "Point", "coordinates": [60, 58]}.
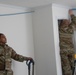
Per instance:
{"type": "Point", "coordinates": [9, 72]}
{"type": "Point", "coordinates": [2, 73]}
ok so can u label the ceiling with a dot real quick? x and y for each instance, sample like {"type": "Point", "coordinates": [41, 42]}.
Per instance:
{"type": "Point", "coordinates": [36, 3]}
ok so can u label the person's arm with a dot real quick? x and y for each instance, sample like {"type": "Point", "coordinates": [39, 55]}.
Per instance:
{"type": "Point", "coordinates": [73, 17]}
{"type": "Point", "coordinates": [19, 57]}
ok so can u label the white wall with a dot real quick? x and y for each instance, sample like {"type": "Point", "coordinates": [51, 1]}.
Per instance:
{"type": "Point", "coordinates": [74, 39]}
{"type": "Point", "coordinates": [18, 30]}
{"type": "Point", "coordinates": [46, 38]}
{"type": "Point", "coordinates": [59, 12]}
{"type": "Point", "coordinates": [44, 41]}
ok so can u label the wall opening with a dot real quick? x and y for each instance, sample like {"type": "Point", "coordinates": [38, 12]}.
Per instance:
{"type": "Point", "coordinates": [65, 43]}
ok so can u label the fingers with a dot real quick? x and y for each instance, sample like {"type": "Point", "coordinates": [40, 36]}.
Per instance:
{"type": "Point", "coordinates": [30, 60]}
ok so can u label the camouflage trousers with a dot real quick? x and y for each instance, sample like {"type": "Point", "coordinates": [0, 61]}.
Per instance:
{"type": "Point", "coordinates": [67, 61]}
{"type": "Point", "coordinates": [6, 72]}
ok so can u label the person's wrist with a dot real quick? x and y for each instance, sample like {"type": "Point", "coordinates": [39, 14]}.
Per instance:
{"type": "Point", "coordinates": [26, 58]}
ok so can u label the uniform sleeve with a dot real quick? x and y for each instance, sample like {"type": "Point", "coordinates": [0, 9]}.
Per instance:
{"type": "Point", "coordinates": [73, 18]}
{"type": "Point", "coordinates": [18, 57]}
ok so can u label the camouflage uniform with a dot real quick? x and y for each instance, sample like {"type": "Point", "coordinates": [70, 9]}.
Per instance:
{"type": "Point", "coordinates": [66, 46]}
{"type": "Point", "coordinates": [6, 53]}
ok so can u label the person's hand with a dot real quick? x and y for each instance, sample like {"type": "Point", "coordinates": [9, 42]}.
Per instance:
{"type": "Point", "coordinates": [28, 58]}
{"type": "Point", "coordinates": [70, 12]}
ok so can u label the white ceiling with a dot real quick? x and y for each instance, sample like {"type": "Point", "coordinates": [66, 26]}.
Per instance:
{"type": "Point", "coordinates": [35, 3]}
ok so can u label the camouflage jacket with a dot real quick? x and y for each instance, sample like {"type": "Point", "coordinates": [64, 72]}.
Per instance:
{"type": "Point", "coordinates": [6, 53]}
{"type": "Point", "coordinates": [65, 34]}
